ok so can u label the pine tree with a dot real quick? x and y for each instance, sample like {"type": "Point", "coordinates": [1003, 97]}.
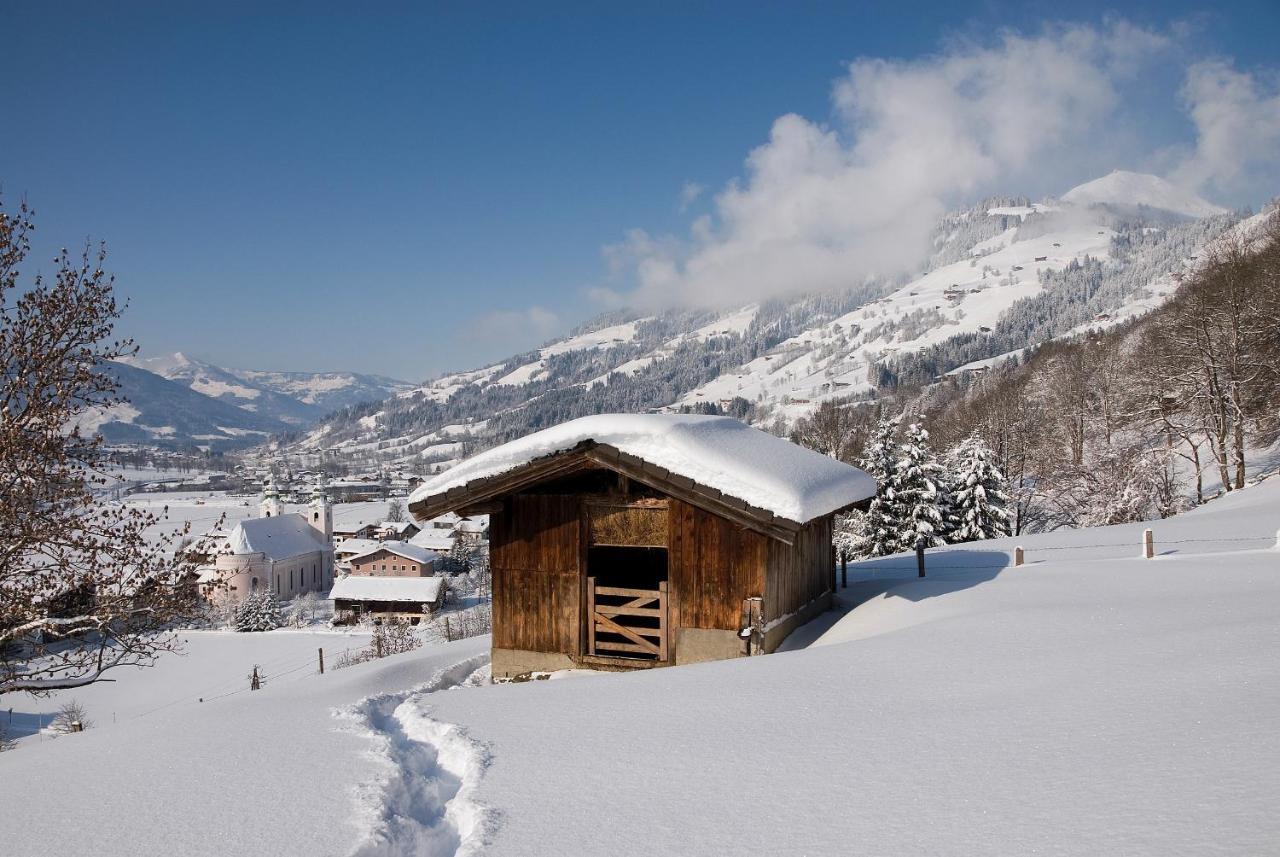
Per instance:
{"type": "Point", "coordinates": [851, 537]}
{"type": "Point", "coordinates": [880, 462]}
{"type": "Point", "coordinates": [258, 612]}
{"type": "Point", "coordinates": [919, 491]}
{"type": "Point", "coordinates": [979, 499]}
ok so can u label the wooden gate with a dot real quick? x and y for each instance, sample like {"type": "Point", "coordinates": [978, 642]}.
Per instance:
{"type": "Point", "coordinates": [627, 622]}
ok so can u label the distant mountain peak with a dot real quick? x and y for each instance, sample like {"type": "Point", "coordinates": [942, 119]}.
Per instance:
{"type": "Point", "coordinates": [1127, 189]}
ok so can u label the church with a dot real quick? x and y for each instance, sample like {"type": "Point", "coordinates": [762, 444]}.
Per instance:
{"type": "Point", "coordinates": [287, 553]}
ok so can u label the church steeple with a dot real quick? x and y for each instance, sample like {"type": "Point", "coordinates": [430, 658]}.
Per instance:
{"type": "Point", "coordinates": [271, 507]}
{"type": "Point", "coordinates": [320, 513]}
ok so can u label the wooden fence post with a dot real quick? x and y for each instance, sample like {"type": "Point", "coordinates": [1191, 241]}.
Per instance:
{"type": "Point", "coordinates": [844, 572]}
{"type": "Point", "coordinates": [1148, 544]}
{"type": "Point", "coordinates": [920, 556]}
{"type": "Point", "coordinates": [321, 661]}
{"type": "Point", "coordinates": [1019, 556]}
{"type": "Point", "coordinates": [591, 615]}
{"type": "Point", "coordinates": [663, 625]}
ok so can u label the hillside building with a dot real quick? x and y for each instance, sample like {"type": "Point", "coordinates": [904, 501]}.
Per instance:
{"type": "Point", "coordinates": [632, 541]}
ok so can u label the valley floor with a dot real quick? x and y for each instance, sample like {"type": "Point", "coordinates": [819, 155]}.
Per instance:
{"type": "Point", "coordinates": [1090, 702]}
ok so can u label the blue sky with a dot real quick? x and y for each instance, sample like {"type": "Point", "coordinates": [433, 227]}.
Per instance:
{"type": "Point", "coordinates": [421, 188]}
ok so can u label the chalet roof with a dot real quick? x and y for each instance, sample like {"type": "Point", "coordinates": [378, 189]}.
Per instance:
{"type": "Point", "coordinates": [720, 456]}
{"type": "Point", "coordinates": [355, 547]}
{"type": "Point", "coordinates": [357, 587]}
{"type": "Point", "coordinates": [396, 526]}
{"type": "Point", "coordinates": [278, 537]}
{"type": "Point", "coordinates": [432, 539]}
{"type": "Point", "coordinates": [404, 549]}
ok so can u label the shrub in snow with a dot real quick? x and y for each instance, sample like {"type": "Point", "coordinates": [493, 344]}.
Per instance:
{"type": "Point", "coordinates": [71, 717]}
{"type": "Point", "coordinates": [304, 609]}
{"type": "Point", "coordinates": [258, 612]}
{"type": "Point", "coordinates": [393, 637]}
{"type": "Point", "coordinates": [979, 499]}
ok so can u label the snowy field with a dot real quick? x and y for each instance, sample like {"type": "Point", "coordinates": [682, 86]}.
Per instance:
{"type": "Point", "coordinates": [1090, 702]}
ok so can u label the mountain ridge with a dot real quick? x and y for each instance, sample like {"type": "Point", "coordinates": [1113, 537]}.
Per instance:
{"type": "Point", "coordinates": [1004, 274]}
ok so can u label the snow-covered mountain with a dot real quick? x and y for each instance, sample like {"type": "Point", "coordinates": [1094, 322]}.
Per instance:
{"type": "Point", "coordinates": [1003, 275]}
{"type": "Point", "coordinates": [160, 412]}
{"type": "Point", "coordinates": [293, 398]}
{"type": "Point", "coordinates": [1128, 190]}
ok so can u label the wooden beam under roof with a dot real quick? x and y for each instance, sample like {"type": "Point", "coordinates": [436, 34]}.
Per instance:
{"type": "Point", "coordinates": [483, 492]}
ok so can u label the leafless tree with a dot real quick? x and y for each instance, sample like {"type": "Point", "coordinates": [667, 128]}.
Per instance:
{"type": "Point", "coordinates": [395, 511]}
{"type": "Point", "coordinates": [82, 589]}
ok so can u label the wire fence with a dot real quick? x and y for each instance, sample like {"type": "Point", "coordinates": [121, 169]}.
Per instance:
{"type": "Point", "coordinates": [909, 562]}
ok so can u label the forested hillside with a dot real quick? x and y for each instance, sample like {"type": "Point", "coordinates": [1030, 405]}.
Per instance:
{"type": "Point", "coordinates": [1004, 275]}
{"type": "Point", "coordinates": [1127, 422]}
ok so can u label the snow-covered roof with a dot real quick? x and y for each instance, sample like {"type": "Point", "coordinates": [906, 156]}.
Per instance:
{"type": "Point", "coordinates": [396, 526]}
{"type": "Point", "coordinates": [417, 553]}
{"type": "Point", "coordinates": [436, 540]}
{"type": "Point", "coordinates": [358, 587]}
{"type": "Point", "coordinates": [355, 547]}
{"type": "Point", "coordinates": [719, 453]}
{"type": "Point", "coordinates": [474, 525]}
{"type": "Point", "coordinates": [278, 537]}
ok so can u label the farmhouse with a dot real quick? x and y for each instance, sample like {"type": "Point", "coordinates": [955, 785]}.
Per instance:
{"type": "Point", "coordinates": [380, 598]}
{"type": "Point", "coordinates": [626, 541]}
{"type": "Point", "coordinates": [395, 559]}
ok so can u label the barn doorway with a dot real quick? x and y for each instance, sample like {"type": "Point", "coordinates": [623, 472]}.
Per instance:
{"type": "Point", "coordinates": [626, 571]}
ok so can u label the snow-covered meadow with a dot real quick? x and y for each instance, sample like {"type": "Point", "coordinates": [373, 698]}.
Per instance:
{"type": "Point", "coordinates": [1088, 702]}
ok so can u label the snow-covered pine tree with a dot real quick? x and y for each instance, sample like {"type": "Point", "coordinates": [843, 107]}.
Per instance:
{"type": "Point", "coordinates": [883, 530]}
{"type": "Point", "coordinates": [850, 537]}
{"type": "Point", "coordinates": [979, 500]}
{"type": "Point", "coordinates": [258, 612]}
{"type": "Point", "coordinates": [919, 491]}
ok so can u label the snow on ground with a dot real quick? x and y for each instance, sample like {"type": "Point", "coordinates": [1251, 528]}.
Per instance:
{"type": "Point", "coordinates": [1090, 702]}
{"type": "Point", "coordinates": [309, 765]}
{"type": "Point", "coordinates": [604, 338]}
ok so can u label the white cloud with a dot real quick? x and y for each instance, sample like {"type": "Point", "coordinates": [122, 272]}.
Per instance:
{"type": "Point", "coordinates": [823, 206]}
{"type": "Point", "coordinates": [522, 328]}
{"type": "Point", "coordinates": [689, 194]}
{"type": "Point", "coordinates": [1237, 119]}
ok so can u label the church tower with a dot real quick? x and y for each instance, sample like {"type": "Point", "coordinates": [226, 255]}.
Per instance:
{"type": "Point", "coordinates": [271, 507]}
{"type": "Point", "coordinates": [320, 513]}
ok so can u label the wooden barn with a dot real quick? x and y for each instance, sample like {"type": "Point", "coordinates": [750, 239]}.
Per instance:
{"type": "Point", "coordinates": [629, 541]}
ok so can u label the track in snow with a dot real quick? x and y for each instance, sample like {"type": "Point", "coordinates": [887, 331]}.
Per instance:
{"type": "Point", "coordinates": [426, 800]}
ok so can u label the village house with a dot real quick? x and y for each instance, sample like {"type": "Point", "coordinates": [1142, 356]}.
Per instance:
{"type": "Point", "coordinates": [356, 597]}
{"type": "Point", "coordinates": [398, 530]}
{"type": "Point", "coordinates": [628, 541]}
{"type": "Point", "coordinates": [285, 553]}
{"type": "Point", "coordinates": [395, 559]}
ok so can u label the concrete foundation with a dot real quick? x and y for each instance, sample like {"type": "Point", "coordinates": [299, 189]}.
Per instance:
{"type": "Point", "coordinates": [694, 645]}
{"type": "Point", "coordinates": [509, 663]}
{"type": "Point", "coordinates": [775, 635]}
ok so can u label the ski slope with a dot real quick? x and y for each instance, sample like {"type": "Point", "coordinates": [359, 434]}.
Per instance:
{"type": "Point", "coordinates": [1090, 702]}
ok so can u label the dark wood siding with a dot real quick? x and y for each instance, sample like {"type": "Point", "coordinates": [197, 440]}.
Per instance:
{"type": "Point", "coordinates": [798, 573]}
{"type": "Point", "coordinates": [535, 551]}
{"type": "Point", "coordinates": [714, 564]}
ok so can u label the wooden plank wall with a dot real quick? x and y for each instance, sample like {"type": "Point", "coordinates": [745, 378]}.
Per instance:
{"type": "Point", "coordinates": [535, 553]}
{"type": "Point", "coordinates": [798, 573]}
{"type": "Point", "coordinates": [712, 564]}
